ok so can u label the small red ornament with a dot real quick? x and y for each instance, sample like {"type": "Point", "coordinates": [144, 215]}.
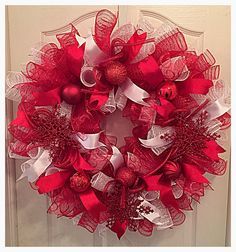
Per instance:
{"type": "Point", "coordinates": [115, 73]}
{"type": "Point", "coordinates": [80, 181]}
{"type": "Point", "coordinates": [168, 90]}
{"type": "Point", "coordinates": [126, 175]}
{"type": "Point", "coordinates": [71, 94]}
{"type": "Point", "coordinates": [171, 170]}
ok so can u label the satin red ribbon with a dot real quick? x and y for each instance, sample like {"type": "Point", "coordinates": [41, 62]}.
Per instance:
{"type": "Point", "coordinates": [153, 183]}
{"type": "Point", "coordinates": [75, 58]}
{"type": "Point", "coordinates": [146, 73]}
{"type": "Point", "coordinates": [22, 118]}
{"type": "Point", "coordinates": [53, 181]}
{"type": "Point", "coordinates": [132, 51]}
{"type": "Point", "coordinates": [194, 86]}
{"type": "Point", "coordinates": [92, 204]}
{"type": "Point", "coordinates": [165, 108]}
{"type": "Point", "coordinates": [213, 149]}
{"type": "Point", "coordinates": [119, 228]}
{"type": "Point", "coordinates": [193, 173]}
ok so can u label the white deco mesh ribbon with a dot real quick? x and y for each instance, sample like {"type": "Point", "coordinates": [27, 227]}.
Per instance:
{"type": "Point", "coordinates": [12, 79]}
{"type": "Point", "coordinates": [89, 141]}
{"type": "Point", "coordinates": [164, 220]}
{"type": "Point", "coordinates": [35, 166]}
{"type": "Point", "coordinates": [65, 109]}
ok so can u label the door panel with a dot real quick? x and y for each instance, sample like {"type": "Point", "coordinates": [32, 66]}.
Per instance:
{"type": "Point", "coordinates": [204, 27]}
{"type": "Point", "coordinates": [29, 25]}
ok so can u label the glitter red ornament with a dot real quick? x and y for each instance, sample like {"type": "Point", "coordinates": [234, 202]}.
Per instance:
{"type": "Point", "coordinates": [126, 175]}
{"type": "Point", "coordinates": [71, 94]}
{"type": "Point", "coordinates": [80, 181]}
{"type": "Point", "coordinates": [168, 90]}
{"type": "Point", "coordinates": [171, 170]}
{"type": "Point", "coordinates": [115, 73]}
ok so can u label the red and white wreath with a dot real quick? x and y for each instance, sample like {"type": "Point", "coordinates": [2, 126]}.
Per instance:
{"type": "Point", "coordinates": [173, 97]}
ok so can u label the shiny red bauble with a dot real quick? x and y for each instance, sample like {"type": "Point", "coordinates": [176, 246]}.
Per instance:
{"type": "Point", "coordinates": [168, 90]}
{"type": "Point", "coordinates": [171, 170]}
{"type": "Point", "coordinates": [80, 181]}
{"type": "Point", "coordinates": [71, 94]}
{"type": "Point", "coordinates": [126, 175]}
{"type": "Point", "coordinates": [115, 73]}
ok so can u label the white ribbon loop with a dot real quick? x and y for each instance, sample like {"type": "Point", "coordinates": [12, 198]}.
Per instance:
{"type": "Point", "coordinates": [177, 190]}
{"type": "Point", "coordinates": [87, 76]}
{"type": "Point", "coordinates": [117, 158]}
{"type": "Point", "coordinates": [34, 167]}
{"type": "Point", "coordinates": [158, 139]}
{"type": "Point", "coordinates": [90, 141]}
{"type": "Point", "coordinates": [120, 99]}
{"type": "Point", "coordinates": [92, 53]}
{"type": "Point", "coordinates": [217, 108]}
{"type": "Point", "coordinates": [134, 93]}
{"type": "Point", "coordinates": [110, 105]}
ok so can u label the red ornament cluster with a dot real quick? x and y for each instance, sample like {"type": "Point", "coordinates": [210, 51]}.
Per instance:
{"type": "Point", "coordinates": [60, 115]}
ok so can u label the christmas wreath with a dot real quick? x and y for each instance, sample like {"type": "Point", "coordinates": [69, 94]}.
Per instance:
{"type": "Point", "coordinates": [173, 97]}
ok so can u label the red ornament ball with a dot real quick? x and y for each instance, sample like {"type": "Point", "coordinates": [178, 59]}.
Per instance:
{"type": "Point", "coordinates": [171, 170]}
{"type": "Point", "coordinates": [126, 175]}
{"type": "Point", "coordinates": [168, 90]}
{"type": "Point", "coordinates": [80, 181]}
{"type": "Point", "coordinates": [71, 94]}
{"type": "Point", "coordinates": [115, 73]}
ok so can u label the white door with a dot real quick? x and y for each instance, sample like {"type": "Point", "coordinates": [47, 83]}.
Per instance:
{"type": "Point", "coordinates": [205, 27]}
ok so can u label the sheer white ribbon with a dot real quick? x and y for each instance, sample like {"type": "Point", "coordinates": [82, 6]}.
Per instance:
{"type": "Point", "coordinates": [35, 166]}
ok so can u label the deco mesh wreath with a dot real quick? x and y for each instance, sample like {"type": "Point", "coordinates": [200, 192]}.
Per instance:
{"type": "Point", "coordinates": [172, 96]}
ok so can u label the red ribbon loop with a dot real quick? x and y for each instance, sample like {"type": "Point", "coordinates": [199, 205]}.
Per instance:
{"type": "Point", "coordinates": [92, 203]}
{"type": "Point", "coordinates": [52, 182]}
